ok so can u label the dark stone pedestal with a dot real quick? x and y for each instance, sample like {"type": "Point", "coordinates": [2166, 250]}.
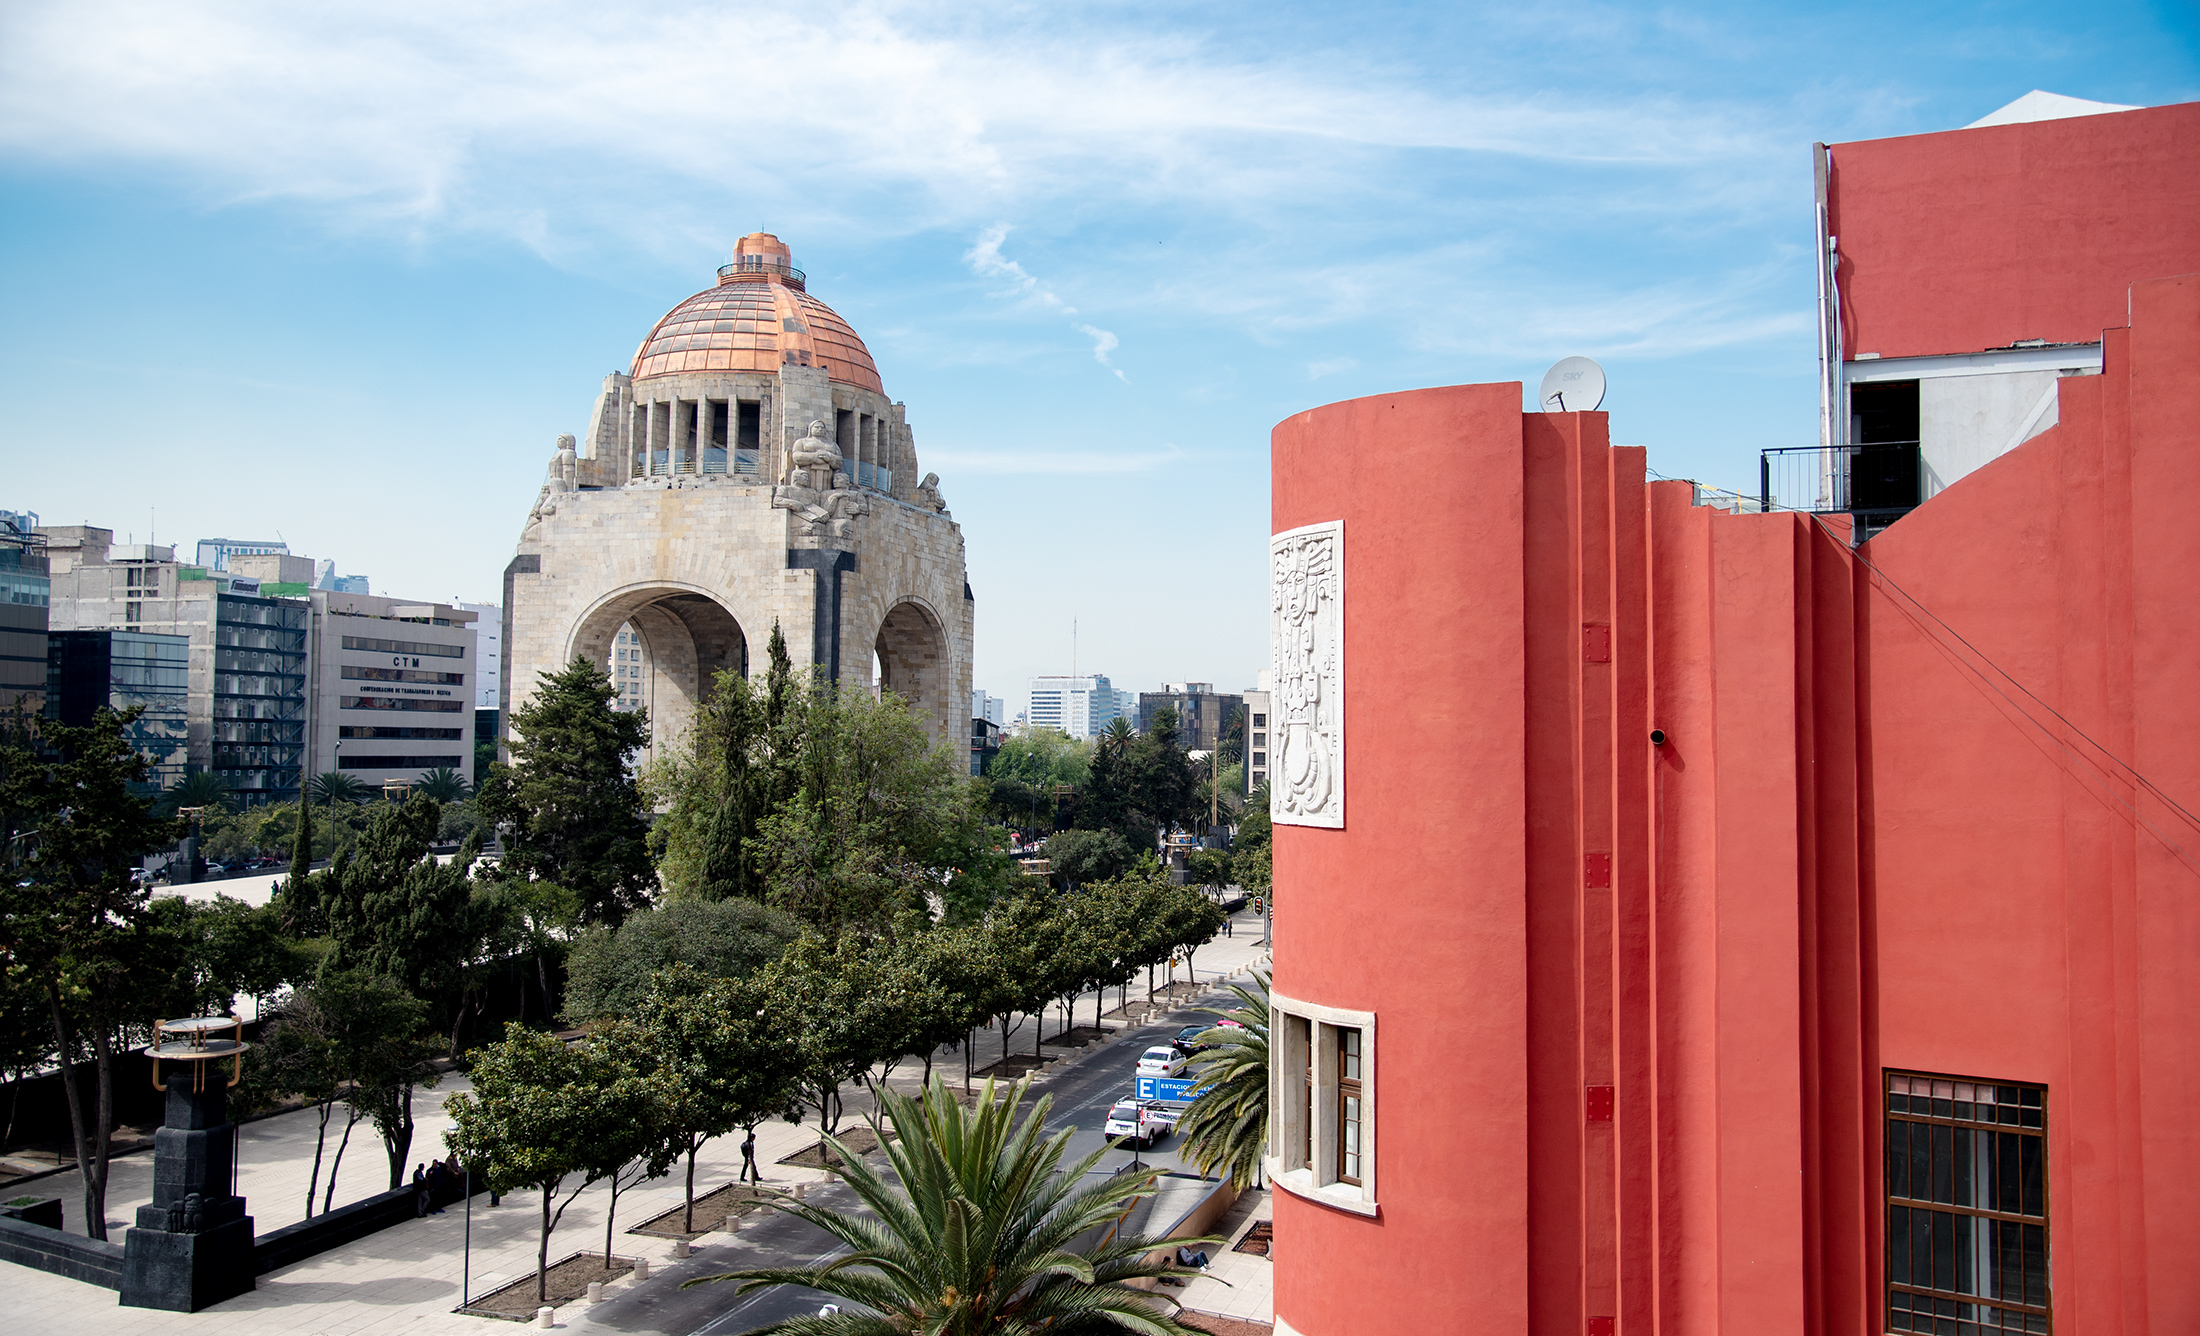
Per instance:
{"type": "Point", "coordinates": [192, 1248]}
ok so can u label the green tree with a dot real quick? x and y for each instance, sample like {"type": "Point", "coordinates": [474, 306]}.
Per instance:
{"type": "Point", "coordinates": [1079, 856]}
{"type": "Point", "coordinates": [722, 788]}
{"type": "Point", "coordinates": [611, 970]}
{"type": "Point", "coordinates": [728, 1060]}
{"type": "Point", "coordinates": [567, 807]}
{"type": "Point", "coordinates": [1158, 776]}
{"type": "Point", "coordinates": [980, 1228]}
{"type": "Point", "coordinates": [1042, 758]}
{"type": "Point", "coordinates": [393, 908]}
{"type": "Point", "coordinates": [878, 818]}
{"type": "Point", "coordinates": [74, 920]}
{"type": "Point", "coordinates": [443, 784]}
{"type": "Point", "coordinates": [1209, 867]}
{"type": "Point", "coordinates": [540, 1113]}
{"type": "Point", "coordinates": [826, 997]}
{"type": "Point", "coordinates": [334, 786]}
{"type": "Point", "coordinates": [1251, 856]}
{"type": "Point", "coordinates": [204, 789]}
{"type": "Point", "coordinates": [1226, 1128]}
{"type": "Point", "coordinates": [295, 1055]}
{"type": "Point", "coordinates": [1188, 920]}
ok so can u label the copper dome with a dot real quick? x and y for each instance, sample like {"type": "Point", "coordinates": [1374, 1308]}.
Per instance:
{"type": "Point", "coordinates": [759, 318]}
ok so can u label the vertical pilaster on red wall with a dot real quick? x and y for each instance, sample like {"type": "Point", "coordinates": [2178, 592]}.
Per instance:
{"type": "Point", "coordinates": [1590, 683]}
{"type": "Point", "coordinates": [1555, 866]}
{"type": "Point", "coordinates": [1629, 747]}
{"type": "Point", "coordinates": [2165, 654]}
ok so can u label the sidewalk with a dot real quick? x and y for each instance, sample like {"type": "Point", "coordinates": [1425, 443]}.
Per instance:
{"type": "Point", "coordinates": [408, 1277]}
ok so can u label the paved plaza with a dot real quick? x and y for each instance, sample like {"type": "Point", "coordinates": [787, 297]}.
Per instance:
{"type": "Point", "coordinates": [408, 1278]}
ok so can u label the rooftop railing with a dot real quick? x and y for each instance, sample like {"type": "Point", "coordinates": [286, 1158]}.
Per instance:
{"type": "Point", "coordinates": [1877, 482]}
{"type": "Point", "coordinates": [761, 266]}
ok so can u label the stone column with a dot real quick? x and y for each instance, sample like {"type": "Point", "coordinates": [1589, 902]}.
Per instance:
{"type": "Point", "coordinates": [192, 1247]}
{"type": "Point", "coordinates": [649, 437]}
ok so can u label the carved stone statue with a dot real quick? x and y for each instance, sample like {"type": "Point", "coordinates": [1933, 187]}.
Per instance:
{"type": "Point", "coordinates": [928, 494]}
{"type": "Point", "coordinates": [816, 490]}
{"type": "Point", "coordinates": [815, 456]}
{"type": "Point", "coordinates": [564, 477]}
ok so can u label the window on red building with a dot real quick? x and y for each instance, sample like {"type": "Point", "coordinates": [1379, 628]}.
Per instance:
{"type": "Point", "coordinates": [1966, 1206]}
{"type": "Point", "coordinates": [1324, 1097]}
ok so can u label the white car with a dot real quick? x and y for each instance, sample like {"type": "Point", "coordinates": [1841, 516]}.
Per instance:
{"type": "Point", "coordinates": [1142, 1124]}
{"type": "Point", "coordinates": [1160, 1060]}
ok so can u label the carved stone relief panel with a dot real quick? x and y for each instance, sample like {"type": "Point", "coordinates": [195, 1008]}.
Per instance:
{"type": "Point", "coordinates": [1306, 662]}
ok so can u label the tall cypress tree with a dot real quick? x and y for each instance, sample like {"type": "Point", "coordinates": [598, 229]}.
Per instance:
{"type": "Point", "coordinates": [567, 806]}
{"type": "Point", "coordinates": [301, 848]}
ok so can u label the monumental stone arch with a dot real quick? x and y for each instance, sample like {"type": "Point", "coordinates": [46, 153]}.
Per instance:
{"type": "Point", "coordinates": [747, 470]}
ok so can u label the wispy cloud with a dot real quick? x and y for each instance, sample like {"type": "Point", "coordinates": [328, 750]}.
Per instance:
{"type": "Point", "coordinates": [1330, 366]}
{"type": "Point", "coordinates": [1103, 343]}
{"type": "Point", "coordinates": [986, 261]}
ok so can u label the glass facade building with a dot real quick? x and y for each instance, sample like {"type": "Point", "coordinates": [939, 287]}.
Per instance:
{"type": "Point", "coordinates": [259, 699]}
{"type": "Point", "coordinates": [122, 670]}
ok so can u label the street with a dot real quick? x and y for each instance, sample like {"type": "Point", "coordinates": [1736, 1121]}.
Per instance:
{"type": "Point", "coordinates": [1082, 1089]}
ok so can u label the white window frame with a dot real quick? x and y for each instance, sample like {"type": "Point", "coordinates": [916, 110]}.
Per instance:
{"type": "Point", "coordinates": [1317, 1181]}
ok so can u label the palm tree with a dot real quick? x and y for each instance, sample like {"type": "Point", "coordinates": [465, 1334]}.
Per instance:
{"type": "Point", "coordinates": [978, 1230]}
{"type": "Point", "coordinates": [204, 789]}
{"type": "Point", "coordinates": [1226, 1127]}
{"type": "Point", "coordinates": [443, 784]}
{"type": "Point", "coordinates": [334, 786]}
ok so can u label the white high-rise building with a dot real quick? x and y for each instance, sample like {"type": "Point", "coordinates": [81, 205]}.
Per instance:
{"type": "Point", "coordinates": [989, 707]}
{"type": "Point", "coordinates": [1079, 706]}
{"type": "Point", "coordinates": [488, 652]}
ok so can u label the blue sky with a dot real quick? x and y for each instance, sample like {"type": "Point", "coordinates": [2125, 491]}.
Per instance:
{"type": "Point", "coordinates": [344, 272]}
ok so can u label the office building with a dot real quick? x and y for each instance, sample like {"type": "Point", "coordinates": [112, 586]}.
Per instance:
{"type": "Point", "coordinates": [393, 687]}
{"type": "Point", "coordinates": [213, 554]}
{"type": "Point", "coordinates": [1256, 737]}
{"type": "Point", "coordinates": [1078, 706]}
{"type": "Point", "coordinates": [123, 670]}
{"type": "Point", "coordinates": [488, 652]}
{"type": "Point", "coordinates": [993, 709]}
{"type": "Point", "coordinates": [24, 592]}
{"type": "Point", "coordinates": [1203, 715]}
{"type": "Point", "coordinates": [246, 691]}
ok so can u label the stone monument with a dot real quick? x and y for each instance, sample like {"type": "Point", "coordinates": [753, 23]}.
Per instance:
{"type": "Point", "coordinates": [192, 1247]}
{"type": "Point", "coordinates": [747, 470]}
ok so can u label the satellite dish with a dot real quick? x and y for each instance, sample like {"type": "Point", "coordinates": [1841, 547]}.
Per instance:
{"type": "Point", "coordinates": [1573, 385]}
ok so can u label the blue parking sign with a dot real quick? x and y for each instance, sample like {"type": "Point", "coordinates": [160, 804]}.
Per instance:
{"type": "Point", "coordinates": [1166, 1089]}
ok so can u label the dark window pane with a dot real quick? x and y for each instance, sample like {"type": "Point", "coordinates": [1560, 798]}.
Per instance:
{"type": "Point", "coordinates": [2009, 1179]}
{"type": "Point", "coordinates": [1966, 1281]}
{"type": "Point", "coordinates": [2035, 1264]}
{"type": "Point", "coordinates": [1898, 1245]}
{"type": "Point", "coordinates": [1944, 1250]}
{"type": "Point", "coordinates": [2030, 1171]}
{"type": "Point", "coordinates": [1944, 1187]}
{"type": "Point", "coordinates": [1898, 1159]}
{"type": "Point", "coordinates": [1963, 1163]}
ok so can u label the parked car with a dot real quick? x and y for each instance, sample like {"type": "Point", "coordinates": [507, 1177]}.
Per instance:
{"type": "Point", "coordinates": [1142, 1123]}
{"type": "Point", "coordinates": [1187, 1039]}
{"type": "Point", "coordinates": [1160, 1060]}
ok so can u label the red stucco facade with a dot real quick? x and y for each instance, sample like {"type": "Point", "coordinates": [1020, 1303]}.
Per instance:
{"type": "Point", "coordinates": [1976, 239]}
{"type": "Point", "coordinates": [1924, 805]}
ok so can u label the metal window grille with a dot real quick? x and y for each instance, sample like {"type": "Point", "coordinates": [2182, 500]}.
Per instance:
{"type": "Point", "coordinates": [1348, 1106]}
{"type": "Point", "coordinates": [1966, 1206]}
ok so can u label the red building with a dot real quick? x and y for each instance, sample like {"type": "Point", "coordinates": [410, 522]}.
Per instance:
{"type": "Point", "coordinates": [1764, 932]}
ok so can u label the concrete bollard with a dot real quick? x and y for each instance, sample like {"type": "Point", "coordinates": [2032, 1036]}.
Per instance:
{"type": "Point", "coordinates": [546, 1317]}
{"type": "Point", "coordinates": [731, 1224]}
{"type": "Point", "coordinates": [641, 1269]}
{"type": "Point", "coordinates": [680, 1248]}
{"type": "Point", "coordinates": [800, 1190]}
{"type": "Point", "coordinates": [595, 1291]}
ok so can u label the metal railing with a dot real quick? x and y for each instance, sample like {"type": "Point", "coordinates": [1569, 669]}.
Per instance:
{"type": "Point", "coordinates": [761, 264]}
{"type": "Point", "coordinates": [1877, 482]}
